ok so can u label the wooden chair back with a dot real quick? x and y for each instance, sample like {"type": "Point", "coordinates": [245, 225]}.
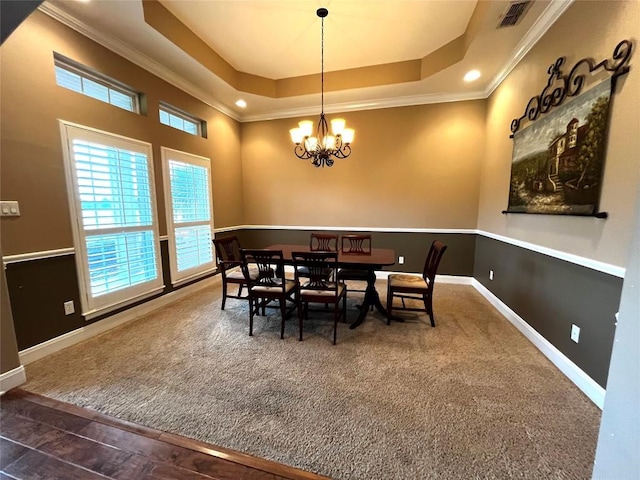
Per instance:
{"type": "Point", "coordinates": [269, 265]}
{"type": "Point", "coordinates": [323, 242]}
{"type": "Point", "coordinates": [356, 244]}
{"type": "Point", "coordinates": [319, 270]}
{"type": "Point", "coordinates": [228, 252]}
{"type": "Point", "coordinates": [432, 261]}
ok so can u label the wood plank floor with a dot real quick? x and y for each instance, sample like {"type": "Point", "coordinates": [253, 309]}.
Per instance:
{"type": "Point", "coordinates": [41, 438]}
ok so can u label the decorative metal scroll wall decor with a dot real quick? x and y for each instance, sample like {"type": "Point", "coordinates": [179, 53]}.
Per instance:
{"type": "Point", "coordinates": [573, 83]}
{"type": "Point", "coordinates": [558, 161]}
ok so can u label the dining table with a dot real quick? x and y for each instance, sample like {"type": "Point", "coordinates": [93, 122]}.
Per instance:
{"type": "Point", "coordinates": [369, 262]}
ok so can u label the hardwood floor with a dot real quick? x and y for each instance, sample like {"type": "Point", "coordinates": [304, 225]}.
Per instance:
{"type": "Point", "coordinates": [41, 438]}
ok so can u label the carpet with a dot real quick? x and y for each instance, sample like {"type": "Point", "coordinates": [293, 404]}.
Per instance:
{"type": "Point", "coordinates": [471, 398]}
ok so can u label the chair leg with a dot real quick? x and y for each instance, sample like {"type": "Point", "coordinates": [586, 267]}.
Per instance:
{"type": "Point", "coordinates": [428, 304]}
{"type": "Point", "coordinates": [299, 304]}
{"type": "Point", "coordinates": [283, 313]}
{"type": "Point", "coordinates": [224, 294]}
{"type": "Point", "coordinates": [251, 317]}
{"type": "Point", "coordinates": [335, 321]}
{"type": "Point", "coordinates": [344, 308]}
{"type": "Point", "coordinates": [389, 304]}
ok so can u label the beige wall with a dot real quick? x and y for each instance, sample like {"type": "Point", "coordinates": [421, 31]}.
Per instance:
{"type": "Point", "coordinates": [32, 164]}
{"type": "Point", "coordinates": [587, 29]}
{"type": "Point", "coordinates": [411, 167]}
{"type": "Point", "coordinates": [8, 346]}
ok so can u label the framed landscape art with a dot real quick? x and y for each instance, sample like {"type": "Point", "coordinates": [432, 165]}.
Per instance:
{"type": "Point", "coordinates": [557, 162]}
{"type": "Point", "coordinates": [558, 159]}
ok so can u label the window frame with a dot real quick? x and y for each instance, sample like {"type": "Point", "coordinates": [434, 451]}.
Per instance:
{"type": "Point", "coordinates": [92, 306]}
{"type": "Point", "coordinates": [177, 277]}
{"type": "Point", "coordinates": [171, 110]}
{"type": "Point", "coordinates": [83, 71]}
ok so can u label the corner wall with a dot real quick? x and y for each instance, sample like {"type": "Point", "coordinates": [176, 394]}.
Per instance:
{"type": "Point", "coordinates": [548, 293]}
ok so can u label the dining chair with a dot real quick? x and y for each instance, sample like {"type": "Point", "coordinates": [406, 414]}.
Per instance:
{"type": "Point", "coordinates": [416, 287]}
{"type": "Point", "coordinates": [323, 242]}
{"type": "Point", "coordinates": [230, 263]}
{"type": "Point", "coordinates": [268, 284]}
{"type": "Point", "coordinates": [316, 286]}
{"type": "Point", "coordinates": [354, 244]}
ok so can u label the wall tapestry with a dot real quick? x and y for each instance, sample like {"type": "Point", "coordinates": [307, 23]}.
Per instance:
{"type": "Point", "coordinates": [558, 160]}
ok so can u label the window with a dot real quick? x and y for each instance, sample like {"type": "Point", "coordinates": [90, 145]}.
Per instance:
{"type": "Point", "coordinates": [187, 190]}
{"type": "Point", "coordinates": [175, 118]}
{"type": "Point", "coordinates": [78, 78]}
{"type": "Point", "coordinates": [115, 229]}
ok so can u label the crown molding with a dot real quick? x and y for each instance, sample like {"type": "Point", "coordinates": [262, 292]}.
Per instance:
{"type": "Point", "coordinates": [368, 105]}
{"type": "Point", "coordinates": [553, 11]}
{"type": "Point", "coordinates": [134, 56]}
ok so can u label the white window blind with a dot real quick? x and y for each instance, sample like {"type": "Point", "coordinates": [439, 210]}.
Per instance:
{"type": "Point", "coordinates": [79, 79]}
{"type": "Point", "coordinates": [189, 219]}
{"type": "Point", "coordinates": [175, 118]}
{"type": "Point", "coordinates": [116, 229]}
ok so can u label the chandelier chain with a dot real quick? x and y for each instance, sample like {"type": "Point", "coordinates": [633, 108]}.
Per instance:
{"type": "Point", "coordinates": [322, 65]}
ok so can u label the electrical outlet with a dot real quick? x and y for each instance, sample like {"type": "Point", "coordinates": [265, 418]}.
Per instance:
{"type": "Point", "coordinates": [490, 274]}
{"type": "Point", "coordinates": [401, 260]}
{"type": "Point", "coordinates": [69, 308]}
{"type": "Point", "coordinates": [575, 333]}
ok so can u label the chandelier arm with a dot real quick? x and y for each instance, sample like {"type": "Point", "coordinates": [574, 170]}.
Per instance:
{"type": "Point", "coordinates": [301, 152]}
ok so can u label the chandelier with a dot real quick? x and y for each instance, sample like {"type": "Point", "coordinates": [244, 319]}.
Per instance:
{"type": "Point", "coordinates": [321, 148]}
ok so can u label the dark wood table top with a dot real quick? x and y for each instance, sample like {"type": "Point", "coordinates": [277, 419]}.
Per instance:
{"type": "Point", "coordinates": [379, 257]}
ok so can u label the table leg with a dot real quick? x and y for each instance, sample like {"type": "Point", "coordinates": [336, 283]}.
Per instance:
{"type": "Point", "coordinates": [371, 297]}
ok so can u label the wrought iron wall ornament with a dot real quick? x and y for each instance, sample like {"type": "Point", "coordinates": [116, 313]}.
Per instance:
{"type": "Point", "coordinates": [572, 84]}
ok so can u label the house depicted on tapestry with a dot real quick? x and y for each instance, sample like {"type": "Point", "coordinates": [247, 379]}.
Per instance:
{"type": "Point", "coordinates": [563, 164]}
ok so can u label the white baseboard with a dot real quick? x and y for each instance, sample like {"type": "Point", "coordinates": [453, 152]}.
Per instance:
{"type": "Point", "coordinates": [583, 381]}
{"type": "Point", "coordinates": [41, 350]}
{"type": "Point", "coordinates": [12, 379]}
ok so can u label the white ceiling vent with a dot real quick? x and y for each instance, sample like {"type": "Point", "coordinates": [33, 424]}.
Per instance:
{"type": "Point", "coordinates": [513, 14]}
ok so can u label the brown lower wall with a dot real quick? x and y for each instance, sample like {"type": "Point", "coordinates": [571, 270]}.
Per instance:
{"type": "Point", "coordinates": [551, 295]}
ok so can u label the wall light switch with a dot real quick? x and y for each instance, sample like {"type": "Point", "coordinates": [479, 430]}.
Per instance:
{"type": "Point", "coordinates": [9, 209]}
{"type": "Point", "coordinates": [490, 274]}
{"type": "Point", "coordinates": [401, 260]}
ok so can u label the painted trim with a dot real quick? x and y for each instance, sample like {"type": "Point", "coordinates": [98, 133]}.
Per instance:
{"type": "Point", "coordinates": [25, 257]}
{"type": "Point", "coordinates": [31, 354]}
{"type": "Point", "coordinates": [425, 99]}
{"type": "Point", "coordinates": [567, 257]}
{"type": "Point", "coordinates": [607, 268]}
{"type": "Point", "coordinates": [470, 231]}
{"type": "Point", "coordinates": [90, 315]}
{"type": "Point", "coordinates": [552, 13]}
{"type": "Point", "coordinates": [574, 373]}
{"type": "Point", "coordinates": [12, 379]}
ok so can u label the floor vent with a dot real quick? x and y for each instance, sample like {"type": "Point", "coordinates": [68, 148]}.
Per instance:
{"type": "Point", "coordinates": [513, 14]}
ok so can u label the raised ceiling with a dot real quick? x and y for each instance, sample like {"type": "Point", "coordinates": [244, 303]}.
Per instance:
{"type": "Point", "coordinates": [378, 53]}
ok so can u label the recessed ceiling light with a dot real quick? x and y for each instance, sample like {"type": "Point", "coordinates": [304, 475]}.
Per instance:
{"type": "Point", "coordinates": [472, 75]}
{"type": "Point", "coordinates": [241, 103]}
